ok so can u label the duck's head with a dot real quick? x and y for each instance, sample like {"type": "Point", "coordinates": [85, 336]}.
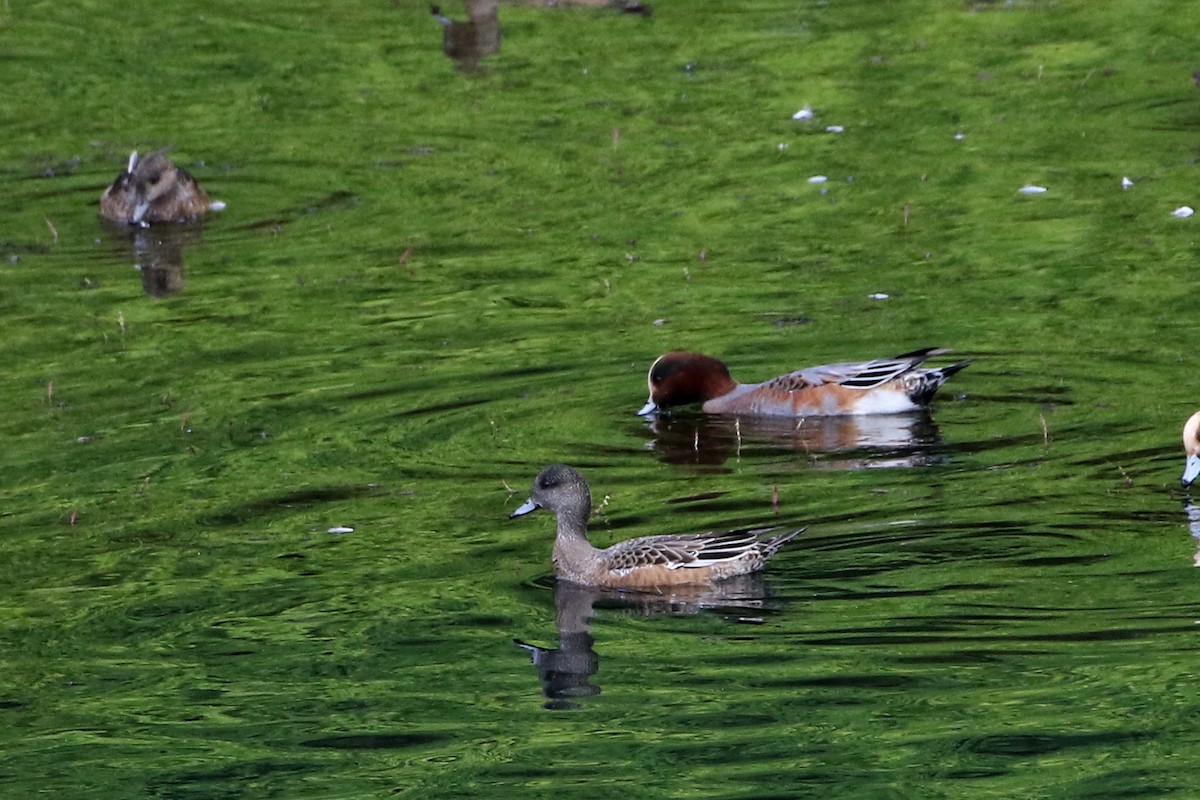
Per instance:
{"type": "Point", "coordinates": [680, 378]}
{"type": "Point", "coordinates": [557, 488]}
{"type": "Point", "coordinates": [152, 177]}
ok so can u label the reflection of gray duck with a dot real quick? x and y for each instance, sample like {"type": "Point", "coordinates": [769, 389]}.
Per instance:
{"type": "Point", "coordinates": [565, 670]}
{"type": "Point", "coordinates": [153, 189]}
{"type": "Point", "coordinates": [648, 562]}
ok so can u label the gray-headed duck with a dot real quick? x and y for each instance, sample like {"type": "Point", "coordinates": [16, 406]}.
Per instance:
{"type": "Point", "coordinates": [645, 563]}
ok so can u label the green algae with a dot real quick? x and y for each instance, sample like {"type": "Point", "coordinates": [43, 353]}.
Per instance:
{"type": "Point", "coordinates": [430, 283]}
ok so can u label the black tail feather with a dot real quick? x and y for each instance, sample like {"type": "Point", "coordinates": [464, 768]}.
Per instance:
{"type": "Point", "coordinates": [923, 389]}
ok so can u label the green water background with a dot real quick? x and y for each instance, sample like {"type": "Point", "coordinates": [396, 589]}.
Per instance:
{"type": "Point", "coordinates": [428, 284]}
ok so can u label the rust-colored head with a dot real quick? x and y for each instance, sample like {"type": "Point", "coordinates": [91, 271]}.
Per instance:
{"type": "Point", "coordinates": [680, 378]}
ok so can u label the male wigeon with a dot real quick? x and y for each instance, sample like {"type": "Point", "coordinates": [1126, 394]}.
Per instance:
{"type": "Point", "coordinates": [153, 189]}
{"type": "Point", "coordinates": [882, 386]}
{"type": "Point", "coordinates": [645, 563]}
{"type": "Point", "coordinates": [1191, 446]}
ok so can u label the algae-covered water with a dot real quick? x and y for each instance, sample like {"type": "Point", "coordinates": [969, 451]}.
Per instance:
{"type": "Point", "coordinates": [255, 474]}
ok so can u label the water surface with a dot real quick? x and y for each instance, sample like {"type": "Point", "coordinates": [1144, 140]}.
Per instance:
{"type": "Point", "coordinates": [431, 282]}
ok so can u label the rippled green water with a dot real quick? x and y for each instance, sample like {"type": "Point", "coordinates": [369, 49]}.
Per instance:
{"type": "Point", "coordinates": [429, 283]}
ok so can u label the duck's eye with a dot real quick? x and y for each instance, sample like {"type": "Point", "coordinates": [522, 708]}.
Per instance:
{"type": "Point", "coordinates": [549, 479]}
{"type": "Point", "coordinates": [156, 177]}
{"type": "Point", "coordinates": [662, 371]}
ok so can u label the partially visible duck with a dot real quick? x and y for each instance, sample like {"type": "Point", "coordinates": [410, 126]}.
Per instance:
{"type": "Point", "coordinates": [1191, 446]}
{"type": "Point", "coordinates": [153, 189]}
{"type": "Point", "coordinates": [468, 42]}
{"type": "Point", "coordinates": [883, 386]}
{"type": "Point", "coordinates": [645, 563]}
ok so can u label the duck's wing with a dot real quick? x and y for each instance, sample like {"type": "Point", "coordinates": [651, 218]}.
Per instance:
{"type": "Point", "coordinates": [855, 374]}
{"type": "Point", "coordinates": [693, 550]}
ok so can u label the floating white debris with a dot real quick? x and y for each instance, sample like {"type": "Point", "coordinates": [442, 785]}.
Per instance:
{"type": "Point", "coordinates": [958, 137]}
{"type": "Point", "coordinates": [782, 146]}
{"type": "Point", "coordinates": [1183, 212]}
{"type": "Point", "coordinates": [1029, 188]}
{"type": "Point", "coordinates": [804, 114]}
{"type": "Point", "coordinates": [1126, 183]}
{"type": "Point", "coordinates": [879, 296]}
{"type": "Point", "coordinates": [216, 205]}
{"type": "Point", "coordinates": [835, 129]}
{"type": "Point", "coordinates": [818, 179]}
{"type": "Point", "coordinates": [341, 529]}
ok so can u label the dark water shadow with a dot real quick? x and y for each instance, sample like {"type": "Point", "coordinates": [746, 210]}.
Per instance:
{"type": "Point", "coordinates": [566, 671]}
{"type": "Point", "coordinates": [859, 442]}
{"type": "Point", "coordinates": [156, 252]}
{"type": "Point", "coordinates": [286, 501]}
{"type": "Point", "coordinates": [467, 43]}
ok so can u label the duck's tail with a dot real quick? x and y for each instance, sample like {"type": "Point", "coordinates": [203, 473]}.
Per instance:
{"type": "Point", "coordinates": [770, 546]}
{"type": "Point", "coordinates": [923, 384]}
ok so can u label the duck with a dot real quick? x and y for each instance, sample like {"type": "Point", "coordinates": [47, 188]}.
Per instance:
{"type": "Point", "coordinates": [468, 42]}
{"type": "Point", "coordinates": [153, 189]}
{"type": "Point", "coordinates": [458, 38]}
{"type": "Point", "coordinates": [883, 386]}
{"type": "Point", "coordinates": [1191, 446]}
{"type": "Point", "coordinates": [645, 563]}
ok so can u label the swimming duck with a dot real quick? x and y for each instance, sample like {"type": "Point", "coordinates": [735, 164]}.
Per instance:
{"type": "Point", "coordinates": [153, 189]}
{"type": "Point", "coordinates": [1191, 446]}
{"type": "Point", "coordinates": [648, 562]}
{"type": "Point", "coordinates": [883, 386]}
{"type": "Point", "coordinates": [468, 42]}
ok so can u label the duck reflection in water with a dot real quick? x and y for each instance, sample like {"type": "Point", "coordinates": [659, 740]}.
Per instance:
{"type": "Point", "coordinates": [157, 253]}
{"type": "Point", "coordinates": [566, 671]}
{"type": "Point", "coordinates": [1191, 471]}
{"type": "Point", "coordinates": [862, 442]}
{"type": "Point", "coordinates": [1193, 515]}
{"type": "Point", "coordinates": [468, 42]}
